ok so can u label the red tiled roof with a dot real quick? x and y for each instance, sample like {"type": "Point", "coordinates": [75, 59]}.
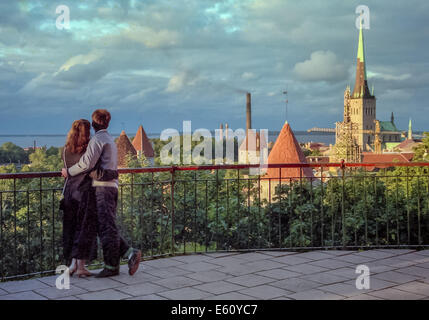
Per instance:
{"type": "Point", "coordinates": [287, 150]}
{"type": "Point", "coordinates": [407, 145]}
{"type": "Point", "coordinates": [142, 143]}
{"type": "Point", "coordinates": [124, 148]}
{"type": "Point", "coordinates": [369, 157]}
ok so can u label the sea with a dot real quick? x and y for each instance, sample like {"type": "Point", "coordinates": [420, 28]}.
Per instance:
{"type": "Point", "coordinates": [58, 140]}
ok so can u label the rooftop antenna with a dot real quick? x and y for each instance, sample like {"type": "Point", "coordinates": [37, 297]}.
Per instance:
{"type": "Point", "coordinates": [286, 101]}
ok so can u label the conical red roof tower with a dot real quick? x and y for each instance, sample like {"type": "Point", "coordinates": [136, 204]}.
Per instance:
{"type": "Point", "coordinates": [142, 144]}
{"type": "Point", "coordinates": [287, 150]}
{"type": "Point", "coordinates": [124, 148]}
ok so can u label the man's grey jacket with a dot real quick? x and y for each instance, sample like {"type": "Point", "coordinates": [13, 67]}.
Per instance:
{"type": "Point", "coordinates": [102, 146]}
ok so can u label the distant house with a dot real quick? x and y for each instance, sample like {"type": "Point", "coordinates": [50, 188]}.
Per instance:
{"type": "Point", "coordinates": [384, 160]}
{"type": "Point", "coordinates": [143, 146]}
{"type": "Point", "coordinates": [125, 150]}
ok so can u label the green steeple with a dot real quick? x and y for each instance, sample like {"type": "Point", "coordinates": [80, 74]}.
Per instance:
{"type": "Point", "coordinates": [361, 89]}
{"type": "Point", "coordinates": [361, 49]}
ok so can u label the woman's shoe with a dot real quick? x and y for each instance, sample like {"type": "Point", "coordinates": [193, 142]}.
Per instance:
{"type": "Point", "coordinates": [73, 267]}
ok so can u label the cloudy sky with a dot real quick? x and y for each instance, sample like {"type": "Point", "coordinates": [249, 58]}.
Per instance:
{"type": "Point", "coordinates": [159, 62]}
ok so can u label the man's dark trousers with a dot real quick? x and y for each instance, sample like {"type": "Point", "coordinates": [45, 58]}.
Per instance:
{"type": "Point", "coordinates": [114, 246]}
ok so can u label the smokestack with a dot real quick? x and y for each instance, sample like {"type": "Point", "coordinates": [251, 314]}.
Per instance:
{"type": "Point", "coordinates": [226, 131]}
{"type": "Point", "coordinates": [248, 112]}
{"type": "Point", "coordinates": [221, 132]}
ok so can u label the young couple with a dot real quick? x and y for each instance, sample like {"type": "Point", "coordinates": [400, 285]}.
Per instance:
{"type": "Point", "coordinates": [90, 199]}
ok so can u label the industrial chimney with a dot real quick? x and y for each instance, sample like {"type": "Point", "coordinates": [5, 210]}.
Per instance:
{"type": "Point", "coordinates": [248, 112]}
{"type": "Point", "coordinates": [221, 132]}
{"type": "Point", "coordinates": [226, 131]}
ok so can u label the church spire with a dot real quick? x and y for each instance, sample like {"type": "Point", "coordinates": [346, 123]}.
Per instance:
{"type": "Point", "coordinates": [361, 89]}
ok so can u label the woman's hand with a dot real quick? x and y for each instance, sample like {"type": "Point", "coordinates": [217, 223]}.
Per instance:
{"type": "Point", "coordinates": [64, 172]}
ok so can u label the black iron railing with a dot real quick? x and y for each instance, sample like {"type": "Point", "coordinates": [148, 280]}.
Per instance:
{"type": "Point", "coordinates": [176, 210]}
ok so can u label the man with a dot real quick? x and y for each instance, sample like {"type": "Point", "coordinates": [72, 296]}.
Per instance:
{"type": "Point", "coordinates": [102, 150]}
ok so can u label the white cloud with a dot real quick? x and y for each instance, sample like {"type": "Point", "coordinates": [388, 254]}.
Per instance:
{"type": "Point", "coordinates": [178, 81]}
{"type": "Point", "coordinates": [322, 66]}
{"type": "Point", "coordinates": [80, 59]}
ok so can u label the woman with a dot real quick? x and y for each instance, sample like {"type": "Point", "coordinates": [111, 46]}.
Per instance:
{"type": "Point", "coordinates": [79, 219]}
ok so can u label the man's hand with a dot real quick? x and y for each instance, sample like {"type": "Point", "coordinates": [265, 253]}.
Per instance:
{"type": "Point", "coordinates": [64, 172]}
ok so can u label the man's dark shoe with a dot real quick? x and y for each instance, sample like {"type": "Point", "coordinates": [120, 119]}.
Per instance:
{"type": "Point", "coordinates": [134, 261]}
{"type": "Point", "coordinates": [107, 273]}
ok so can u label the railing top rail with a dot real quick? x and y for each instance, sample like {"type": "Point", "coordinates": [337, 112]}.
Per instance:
{"type": "Point", "coordinates": [27, 175]}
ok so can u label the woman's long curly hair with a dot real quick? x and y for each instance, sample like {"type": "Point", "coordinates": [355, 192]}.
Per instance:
{"type": "Point", "coordinates": [78, 136]}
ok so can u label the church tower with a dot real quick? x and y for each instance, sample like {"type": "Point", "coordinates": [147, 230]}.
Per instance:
{"type": "Point", "coordinates": [362, 102]}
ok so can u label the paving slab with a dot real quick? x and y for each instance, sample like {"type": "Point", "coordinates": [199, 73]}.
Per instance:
{"type": "Point", "coordinates": [296, 284]}
{"type": "Point", "coordinates": [291, 260]}
{"type": "Point", "coordinates": [138, 277]}
{"type": "Point", "coordinates": [142, 289]}
{"type": "Point", "coordinates": [416, 271]}
{"type": "Point", "coordinates": [265, 292]}
{"type": "Point", "coordinates": [148, 297]}
{"type": "Point", "coordinates": [231, 296]}
{"type": "Point", "coordinates": [415, 287]}
{"type": "Point", "coordinates": [26, 295]}
{"type": "Point", "coordinates": [363, 297]}
{"type": "Point", "coordinates": [332, 263]}
{"type": "Point", "coordinates": [374, 283]}
{"type": "Point", "coordinates": [250, 280]}
{"type": "Point", "coordinates": [376, 254]}
{"type": "Point", "coordinates": [277, 253]}
{"type": "Point", "coordinates": [339, 252]}
{"type": "Point", "coordinates": [356, 259]}
{"type": "Point", "coordinates": [199, 266]}
{"type": "Point", "coordinates": [315, 255]}
{"type": "Point", "coordinates": [227, 261]}
{"type": "Point", "coordinates": [342, 289]}
{"type": "Point", "coordinates": [252, 256]}
{"type": "Point", "coordinates": [279, 274]}
{"type": "Point", "coordinates": [109, 294]}
{"type": "Point", "coordinates": [185, 294]}
{"type": "Point", "coordinates": [54, 293]}
{"type": "Point", "coordinates": [346, 272]}
{"type": "Point", "coordinates": [238, 270]}
{"type": "Point", "coordinates": [414, 256]}
{"type": "Point", "coordinates": [192, 258]}
{"type": "Point", "coordinates": [395, 277]}
{"type": "Point", "coordinates": [98, 284]}
{"type": "Point", "coordinates": [220, 254]}
{"type": "Point", "coordinates": [219, 287]}
{"type": "Point", "coordinates": [168, 272]}
{"type": "Point", "coordinates": [177, 282]}
{"type": "Point", "coordinates": [306, 268]}
{"type": "Point", "coordinates": [397, 263]}
{"type": "Point", "coordinates": [23, 285]}
{"type": "Point", "coordinates": [395, 294]}
{"type": "Point", "coordinates": [324, 278]}
{"type": "Point", "coordinates": [208, 276]}
{"type": "Point", "coordinates": [315, 294]}
{"type": "Point", "coordinates": [423, 252]}
{"type": "Point", "coordinates": [163, 263]}
{"type": "Point", "coordinates": [262, 265]}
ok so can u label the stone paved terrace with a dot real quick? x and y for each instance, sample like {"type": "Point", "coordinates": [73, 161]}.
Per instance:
{"type": "Point", "coordinates": [395, 274]}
